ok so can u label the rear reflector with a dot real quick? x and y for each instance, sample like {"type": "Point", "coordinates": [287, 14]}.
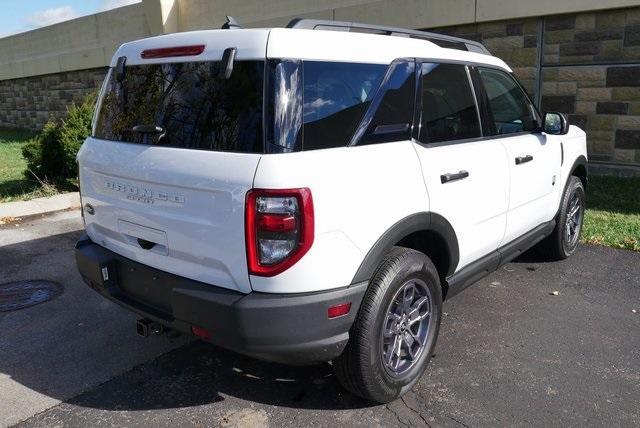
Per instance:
{"type": "Point", "coordinates": [202, 333]}
{"type": "Point", "coordinates": [339, 310]}
{"type": "Point", "coordinates": [193, 50]}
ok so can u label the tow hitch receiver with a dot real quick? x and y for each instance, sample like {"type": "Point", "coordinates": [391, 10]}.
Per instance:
{"type": "Point", "coordinates": [145, 327]}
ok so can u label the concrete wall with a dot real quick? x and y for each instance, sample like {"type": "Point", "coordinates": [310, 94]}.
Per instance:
{"type": "Point", "coordinates": [581, 57]}
{"type": "Point", "coordinates": [79, 44]}
{"type": "Point", "coordinates": [90, 41]}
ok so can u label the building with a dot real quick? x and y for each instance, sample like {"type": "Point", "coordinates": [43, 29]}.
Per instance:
{"type": "Point", "coordinates": [580, 57]}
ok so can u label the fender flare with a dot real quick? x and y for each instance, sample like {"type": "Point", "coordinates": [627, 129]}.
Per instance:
{"type": "Point", "coordinates": [424, 221]}
{"type": "Point", "coordinates": [580, 161]}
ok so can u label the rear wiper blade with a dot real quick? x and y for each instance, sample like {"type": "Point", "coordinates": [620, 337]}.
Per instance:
{"type": "Point", "coordinates": [148, 129]}
{"type": "Point", "coordinates": [151, 134]}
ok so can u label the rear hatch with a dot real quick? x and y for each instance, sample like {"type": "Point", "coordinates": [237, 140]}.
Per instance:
{"type": "Point", "coordinates": [174, 150]}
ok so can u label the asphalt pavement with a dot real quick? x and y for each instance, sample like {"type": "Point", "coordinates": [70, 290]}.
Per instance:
{"type": "Point", "coordinates": [511, 352]}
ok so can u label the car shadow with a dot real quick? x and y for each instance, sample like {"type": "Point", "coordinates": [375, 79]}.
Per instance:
{"type": "Point", "coordinates": [200, 373]}
{"type": "Point", "coordinates": [82, 342]}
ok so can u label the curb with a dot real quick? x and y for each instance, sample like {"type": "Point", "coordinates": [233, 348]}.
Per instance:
{"type": "Point", "coordinates": [11, 212]}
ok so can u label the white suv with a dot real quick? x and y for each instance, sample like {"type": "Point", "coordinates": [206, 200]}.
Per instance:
{"type": "Point", "coordinates": [313, 193]}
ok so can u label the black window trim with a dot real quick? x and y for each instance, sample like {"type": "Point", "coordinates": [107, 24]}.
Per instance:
{"type": "Point", "coordinates": [418, 103]}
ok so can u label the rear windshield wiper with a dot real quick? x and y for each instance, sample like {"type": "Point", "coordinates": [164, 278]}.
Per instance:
{"type": "Point", "coordinates": [149, 130]}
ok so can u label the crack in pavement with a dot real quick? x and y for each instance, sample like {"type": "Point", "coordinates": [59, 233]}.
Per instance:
{"type": "Point", "coordinates": [396, 415]}
{"type": "Point", "coordinates": [460, 423]}
{"type": "Point", "coordinates": [415, 411]}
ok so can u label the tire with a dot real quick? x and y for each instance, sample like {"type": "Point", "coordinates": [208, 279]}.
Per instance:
{"type": "Point", "coordinates": [560, 244]}
{"type": "Point", "coordinates": [403, 273]}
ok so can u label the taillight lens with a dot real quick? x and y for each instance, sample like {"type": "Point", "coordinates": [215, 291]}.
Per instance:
{"type": "Point", "coordinates": [279, 229]}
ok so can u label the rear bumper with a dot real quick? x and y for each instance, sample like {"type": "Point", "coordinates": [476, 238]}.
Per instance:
{"type": "Point", "coordinates": [286, 328]}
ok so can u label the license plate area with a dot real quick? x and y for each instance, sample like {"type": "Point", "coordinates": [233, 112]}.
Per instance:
{"type": "Point", "coordinates": [146, 286]}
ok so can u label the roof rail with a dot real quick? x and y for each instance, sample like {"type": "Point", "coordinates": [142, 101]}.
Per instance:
{"type": "Point", "coordinates": [441, 40]}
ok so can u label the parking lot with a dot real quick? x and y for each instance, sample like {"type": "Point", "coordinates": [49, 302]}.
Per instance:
{"type": "Point", "coordinates": [510, 352]}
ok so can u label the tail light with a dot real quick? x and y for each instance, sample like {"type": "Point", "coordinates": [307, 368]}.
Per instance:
{"type": "Point", "coordinates": [279, 229]}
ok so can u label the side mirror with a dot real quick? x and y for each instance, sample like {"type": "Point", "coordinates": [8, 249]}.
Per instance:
{"type": "Point", "coordinates": [556, 123]}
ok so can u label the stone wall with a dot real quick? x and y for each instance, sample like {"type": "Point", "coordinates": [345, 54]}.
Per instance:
{"type": "Point", "coordinates": [30, 102]}
{"type": "Point", "coordinates": [586, 65]}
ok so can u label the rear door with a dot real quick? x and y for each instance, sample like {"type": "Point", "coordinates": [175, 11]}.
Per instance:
{"type": "Point", "coordinates": [534, 158]}
{"type": "Point", "coordinates": [174, 151]}
{"type": "Point", "coordinates": [466, 176]}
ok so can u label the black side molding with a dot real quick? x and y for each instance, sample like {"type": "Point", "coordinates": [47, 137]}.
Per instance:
{"type": "Point", "coordinates": [425, 221]}
{"type": "Point", "coordinates": [493, 261]}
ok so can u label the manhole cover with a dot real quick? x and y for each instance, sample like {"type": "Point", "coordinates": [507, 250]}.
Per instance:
{"type": "Point", "coordinates": [22, 294]}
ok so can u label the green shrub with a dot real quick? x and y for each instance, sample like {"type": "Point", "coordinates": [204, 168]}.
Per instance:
{"type": "Point", "coordinates": [51, 156]}
{"type": "Point", "coordinates": [76, 127]}
{"type": "Point", "coordinates": [44, 155]}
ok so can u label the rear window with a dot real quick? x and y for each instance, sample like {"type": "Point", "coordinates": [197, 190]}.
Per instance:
{"type": "Point", "coordinates": [191, 105]}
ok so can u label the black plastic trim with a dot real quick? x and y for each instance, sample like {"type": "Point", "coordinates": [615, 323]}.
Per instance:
{"type": "Point", "coordinates": [580, 161]}
{"type": "Point", "coordinates": [425, 221]}
{"type": "Point", "coordinates": [493, 261]}
{"type": "Point", "coordinates": [286, 328]}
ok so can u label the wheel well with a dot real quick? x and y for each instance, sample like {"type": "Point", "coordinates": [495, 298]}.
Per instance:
{"type": "Point", "coordinates": [580, 171]}
{"type": "Point", "coordinates": [433, 245]}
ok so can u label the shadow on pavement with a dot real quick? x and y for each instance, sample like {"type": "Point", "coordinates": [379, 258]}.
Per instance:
{"type": "Point", "coordinates": [64, 347]}
{"type": "Point", "coordinates": [198, 373]}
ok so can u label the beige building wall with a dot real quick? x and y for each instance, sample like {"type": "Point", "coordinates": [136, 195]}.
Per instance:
{"type": "Point", "coordinates": [82, 43]}
{"type": "Point", "coordinates": [89, 42]}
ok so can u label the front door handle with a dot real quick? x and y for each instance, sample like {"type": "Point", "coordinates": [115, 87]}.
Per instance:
{"type": "Point", "coordinates": [453, 176]}
{"type": "Point", "coordinates": [523, 159]}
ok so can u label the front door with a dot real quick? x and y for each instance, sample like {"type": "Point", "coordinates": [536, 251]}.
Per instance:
{"type": "Point", "coordinates": [533, 157]}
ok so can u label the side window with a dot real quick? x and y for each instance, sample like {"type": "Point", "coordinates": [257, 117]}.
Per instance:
{"type": "Point", "coordinates": [336, 96]}
{"type": "Point", "coordinates": [390, 115]}
{"type": "Point", "coordinates": [449, 109]}
{"type": "Point", "coordinates": [509, 107]}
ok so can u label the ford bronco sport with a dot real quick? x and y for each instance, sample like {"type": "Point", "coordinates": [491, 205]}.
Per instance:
{"type": "Point", "coordinates": [314, 193]}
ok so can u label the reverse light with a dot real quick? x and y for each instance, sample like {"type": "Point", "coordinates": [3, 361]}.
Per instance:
{"type": "Point", "coordinates": [279, 229]}
{"type": "Point", "coordinates": [193, 50]}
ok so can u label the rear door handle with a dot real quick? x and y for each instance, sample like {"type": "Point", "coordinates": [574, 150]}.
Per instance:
{"type": "Point", "coordinates": [453, 176]}
{"type": "Point", "coordinates": [523, 159]}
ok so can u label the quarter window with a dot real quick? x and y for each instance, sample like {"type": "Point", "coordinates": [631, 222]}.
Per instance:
{"type": "Point", "coordinates": [509, 107]}
{"type": "Point", "coordinates": [391, 112]}
{"type": "Point", "coordinates": [449, 109]}
{"type": "Point", "coordinates": [336, 96]}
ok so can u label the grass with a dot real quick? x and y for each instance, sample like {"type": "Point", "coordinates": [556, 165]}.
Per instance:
{"type": "Point", "coordinates": [613, 212]}
{"type": "Point", "coordinates": [14, 184]}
